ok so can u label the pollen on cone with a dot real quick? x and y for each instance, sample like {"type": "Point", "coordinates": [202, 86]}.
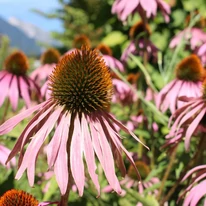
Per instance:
{"type": "Point", "coordinates": [17, 63]}
{"type": "Point", "coordinates": [17, 198]}
{"type": "Point", "coordinates": [190, 69]}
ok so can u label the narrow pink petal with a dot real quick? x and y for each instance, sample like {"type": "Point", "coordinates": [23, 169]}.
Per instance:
{"type": "Point", "coordinates": [116, 140]}
{"type": "Point", "coordinates": [107, 158]}
{"type": "Point", "coordinates": [5, 82]}
{"type": "Point", "coordinates": [89, 153]}
{"type": "Point", "coordinates": [192, 128]}
{"type": "Point", "coordinates": [30, 129]}
{"type": "Point", "coordinates": [193, 171]}
{"type": "Point", "coordinates": [14, 93]}
{"type": "Point", "coordinates": [120, 125]}
{"type": "Point", "coordinates": [34, 146]}
{"type": "Point", "coordinates": [53, 146]}
{"type": "Point", "coordinates": [11, 123]}
{"type": "Point", "coordinates": [24, 90]}
{"type": "Point", "coordinates": [107, 127]}
{"type": "Point", "coordinates": [76, 156]}
{"type": "Point", "coordinates": [61, 163]}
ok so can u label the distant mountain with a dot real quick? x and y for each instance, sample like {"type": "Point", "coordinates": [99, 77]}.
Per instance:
{"type": "Point", "coordinates": [33, 31]}
{"type": "Point", "coordinates": [25, 36]}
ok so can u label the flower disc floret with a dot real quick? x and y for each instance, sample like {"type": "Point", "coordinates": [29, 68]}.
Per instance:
{"type": "Point", "coordinates": [50, 56]}
{"type": "Point", "coordinates": [190, 69]}
{"type": "Point", "coordinates": [17, 63]}
{"type": "Point", "coordinates": [81, 82]}
{"type": "Point", "coordinates": [17, 198]}
{"type": "Point", "coordinates": [81, 40]}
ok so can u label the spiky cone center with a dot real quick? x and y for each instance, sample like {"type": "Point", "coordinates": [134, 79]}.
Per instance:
{"type": "Point", "coordinates": [17, 198]}
{"type": "Point", "coordinates": [190, 69]}
{"type": "Point", "coordinates": [81, 40]}
{"type": "Point", "coordinates": [139, 29]}
{"type": "Point", "coordinates": [81, 82]}
{"type": "Point", "coordinates": [104, 49]}
{"type": "Point", "coordinates": [143, 169]}
{"type": "Point", "coordinates": [16, 63]}
{"type": "Point", "coordinates": [50, 56]}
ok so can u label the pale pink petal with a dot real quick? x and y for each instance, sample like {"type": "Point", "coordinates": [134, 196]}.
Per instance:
{"type": "Point", "coordinates": [61, 163]}
{"type": "Point", "coordinates": [14, 93]}
{"type": "Point", "coordinates": [76, 156]}
{"type": "Point", "coordinates": [24, 90]}
{"type": "Point", "coordinates": [11, 123]}
{"type": "Point", "coordinates": [150, 6]}
{"type": "Point", "coordinates": [5, 82]}
{"type": "Point", "coordinates": [89, 153]}
{"type": "Point", "coordinates": [192, 128]}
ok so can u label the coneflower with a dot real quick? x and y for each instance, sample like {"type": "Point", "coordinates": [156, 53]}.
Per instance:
{"type": "Point", "coordinates": [14, 82]}
{"type": "Point", "coordinates": [81, 91]}
{"type": "Point", "coordinates": [110, 61]}
{"type": "Point", "coordinates": [20, 198]}
{"type": "Point", "coordinates": [49, 59]}
{"type": "Point", "coordinates": [81, 40]}
{"type": "Point", "coordinates": [188, 82]}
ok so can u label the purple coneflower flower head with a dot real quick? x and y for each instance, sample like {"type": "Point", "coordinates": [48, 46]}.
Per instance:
{"type": "Point", "coordinates": [49, 59]}
{"type": "Point", "coordinates": [125, 8]}
{"type": "Point", "coordinates": [81, 91]}
{"type": "Point", "coordinates": [195, 36]}
{"type": "Point", "coordinates": [188, 82]}
{"type": "Point", "coordinates": [4, 153]}
{"type": "Point", "coordinates": [110, 61]}
{"type": "Point", "coordinates": [131, 181]}
{"type": "Point", "coordinates": [14, 82]}
{"type": "Point", "coordinates": [81, 40]}
{"type": "Point", "coordinates": [195, 192]}
{"type": "Point", "coordinates": [20, 198]}
{"type": "Point", "coordinates": [139, 44]}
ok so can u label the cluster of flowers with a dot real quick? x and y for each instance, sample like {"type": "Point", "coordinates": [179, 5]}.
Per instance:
{"type": "Point", "coordinates": [71, 95]}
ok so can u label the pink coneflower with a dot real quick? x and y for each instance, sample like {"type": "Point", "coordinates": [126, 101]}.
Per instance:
{"type": "Point", "coordinates": [49, 59]}
{"type": "Point", "coordinates": [188, 120]}
{"type": "Point", "coordinates": [81, 91]}
{"type": "Point", "coordinates": [20, 198]}
{"type": "Point", "coordinates": [110, 61]}
{"type": "Point", "coordinates": [14, 83]}
{"type": "Point", "coordinates": [188, 82]}
{"type": "Point", "coordinates": [195, 192]}
{"type": "Point", "coordinates": [131, 181]}
{"type": "Point", "coordinates": [125, 8]}
{"type": "Point", "coordinates": [123, 93]}
{"type": "Point", "coordinates": [4, 153]}
{"type": "Point", "coordinates": [195, 36]}
{"type": "Point", "coordinates": [138, 45]}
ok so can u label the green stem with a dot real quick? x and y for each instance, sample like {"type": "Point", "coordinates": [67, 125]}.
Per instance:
{"type": "Point", "coordinates": [6, 109]}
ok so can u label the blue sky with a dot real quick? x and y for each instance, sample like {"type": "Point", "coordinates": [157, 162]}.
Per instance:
{"type": "Point", "coordinates": [21, 9]}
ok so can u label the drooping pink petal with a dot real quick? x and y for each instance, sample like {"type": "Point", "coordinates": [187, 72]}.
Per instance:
{"type": "Point", "coordinates": [5, 82]}
{"type": "Point", "coordinates": [89, 153]}
{"type": "Point", "coordinates": [107, 158]}
{"type": "Point", "coordinates": [61, 163]}
{"type": "Point", "coordinates": [150, 6]}
{"type": "Point", "coordinates": [120, 125]}
{"type": "Point", "coordinates": [76, 156]}
{"type": "Point", "coordinates": [24, 90]}
{"type": "Point", "coordinates": [11, 123]}
{"type": "Point", "coordinates": [34, 146]}
{"type": "Point", "coordinates": [14, 93]}
{"type": "Point", "coordinates": [192, 128]}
